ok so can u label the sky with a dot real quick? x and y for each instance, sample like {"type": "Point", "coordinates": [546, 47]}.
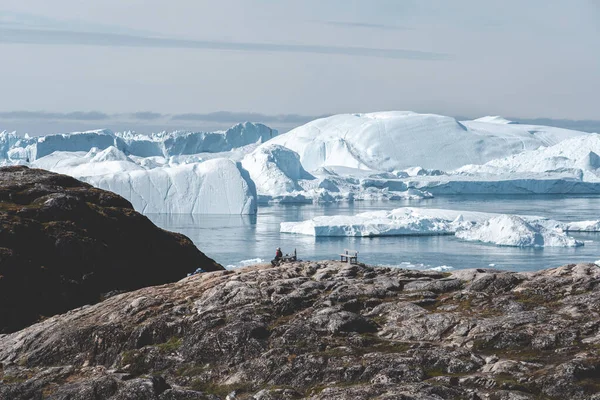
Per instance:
{"type": "Point", "coordinates": [184, 63]}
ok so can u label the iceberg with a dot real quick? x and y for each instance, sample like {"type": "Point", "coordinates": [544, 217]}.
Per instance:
{"type": "Point", "coordinates": [281, 178]}
{"type": "Point", "coordinates": [577, 155]}
{"type": "Point", "coordinates": [163, 144]}
{"type": "Point", "coordinates": [218, 186]}
{"type": "Point", "coordinates": [394, 141]}
{"type": "Point", "coordinates": [511, 230]}
{"type": "Point", "coordinates": [398, 222]}
{"type": "Point", "coordinates": [81, 164]}
{"type": "Point", "coordinates": [500, 229]}
{"type": "Point", "coordinates": [571, 166]}
{"type": "Point", "coordinates": [349, 157]}
{"type": "Point", "coordinates": [276, 170]}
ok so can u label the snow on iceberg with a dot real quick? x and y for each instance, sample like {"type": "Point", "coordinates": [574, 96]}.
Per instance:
{"type": "Point", "coordinates": [511, 230]}
{"type": "Point", "coordinates": [80, 164]}
{"type": "Point", "coordinates": [393, 141]}
{"type": "Point", "coordinates": [496, 119]}
{"type": "Point", "coordinates": [506, 230]}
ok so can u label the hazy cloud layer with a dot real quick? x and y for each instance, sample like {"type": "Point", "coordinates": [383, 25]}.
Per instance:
{"type": "Point", "coordinates": [347, 24]}
{"type": "Point", "coordinates": [148, 122]}
{"type": "Point", "coordinates": [55, 37]}
{"type": "Point", "coordinates": [228, 116]}
{"type": "Point", "coordinates": [42, 115]}
{"type": "Point", "coordinates": [306, 57]}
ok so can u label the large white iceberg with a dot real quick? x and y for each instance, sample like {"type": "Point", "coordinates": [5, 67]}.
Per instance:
{"type": "Point", "coordinates": [391, 141]}
{"type": "Point", "coordinates": [398, 222]}
{"type": "Point", "coordinates": [218, 186]}
{"type": "Point", "coordinates": [511, 230]}
{"type": "Point", "coordinates": [507, 230]}
{"type": "Point", "coordinates": [377, 156]}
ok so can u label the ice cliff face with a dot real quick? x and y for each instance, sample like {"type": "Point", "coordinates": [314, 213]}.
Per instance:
{"type": "Point", "coordinates": [218, 186]}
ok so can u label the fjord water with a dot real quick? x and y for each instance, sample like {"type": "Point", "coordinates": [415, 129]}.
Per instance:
{"type": "Point", "coordinates": [234, 240]}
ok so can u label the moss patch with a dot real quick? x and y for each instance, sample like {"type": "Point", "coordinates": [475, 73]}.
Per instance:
{"type": "Point", "coordinates": [171, 346]}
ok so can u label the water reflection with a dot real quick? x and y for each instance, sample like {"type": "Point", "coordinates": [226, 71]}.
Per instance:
{"type": "Point", "coordinates": [232, 238]}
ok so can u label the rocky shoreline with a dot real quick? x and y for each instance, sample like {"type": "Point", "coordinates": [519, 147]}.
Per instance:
{"type": "Point", "coordinates": [322, 330]}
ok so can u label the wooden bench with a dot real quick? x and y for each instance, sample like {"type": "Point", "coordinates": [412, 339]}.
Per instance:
{"type": "Point", "coordinates": [349, 256]}
{"type": "Point", "coordinates": [290, 257]}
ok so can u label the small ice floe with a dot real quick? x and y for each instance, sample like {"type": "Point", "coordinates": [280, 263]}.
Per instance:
{"type": "Point", "coordinates": [245, 263]}
{"type": "Point", "coordinates": [419, 266]}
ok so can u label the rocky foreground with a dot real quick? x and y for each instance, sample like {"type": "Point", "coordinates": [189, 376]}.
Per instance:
{"type": "Point", "coordinates": [64, 243]}
{"type": "Point", "coordinates": [322, 330]}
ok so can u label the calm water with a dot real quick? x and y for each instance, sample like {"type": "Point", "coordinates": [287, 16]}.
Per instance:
{"type": "Point", "coordinates": [232, 239]}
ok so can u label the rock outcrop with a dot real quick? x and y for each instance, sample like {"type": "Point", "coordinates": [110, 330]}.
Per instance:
{"type": "Point", "coordinates": [322, 330]}
{"type": "Point", "coordinates": [64, 243]}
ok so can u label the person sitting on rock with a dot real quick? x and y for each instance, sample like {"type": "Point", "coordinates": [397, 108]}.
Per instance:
{"type": "Point", "coordinates": [278, 257]}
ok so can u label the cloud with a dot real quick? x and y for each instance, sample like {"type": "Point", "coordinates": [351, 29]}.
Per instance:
{"type": "Point", "coordinates": [347, 24]}
{"type": "Point", "coordinates": [73, 116]}
{"type": "Point", "coordinates": [57, 37]}
{"type": "Point", "coordinates": [146, 115]}
{"type": "Point", "coordinates": [592, 126]}
{"type": "Point", "coordinates": [228, 116]}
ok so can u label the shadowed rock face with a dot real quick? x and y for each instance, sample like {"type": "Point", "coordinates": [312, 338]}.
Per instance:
{"type": "Point", "coordinates": [322, 330]}
{"type": "Point", "coordinates": [64, 243]}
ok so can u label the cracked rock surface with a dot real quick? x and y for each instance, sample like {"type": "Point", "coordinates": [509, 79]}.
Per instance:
{"type": "Point", "coordinates": [322, 330]}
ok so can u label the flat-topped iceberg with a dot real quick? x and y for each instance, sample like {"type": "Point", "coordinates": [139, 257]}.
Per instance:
{"type": "Point", "coordinates": [397, 140]}
{"type": "Point", "coordinates": [218, 186]}
{"type": "Point", "coordinates": [505, 230]}
{"type": "Point", "coordinates": [398, 222]}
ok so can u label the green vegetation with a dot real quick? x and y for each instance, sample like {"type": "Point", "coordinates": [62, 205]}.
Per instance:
{"type": "Point", "coordinates": [171, 346]}
{"type": "Point", "coordinates": [220, 390]}
{"type": "Point", "coordinates": [191, 370]}
{"type": "Point", "coordinates": [13, 379]}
